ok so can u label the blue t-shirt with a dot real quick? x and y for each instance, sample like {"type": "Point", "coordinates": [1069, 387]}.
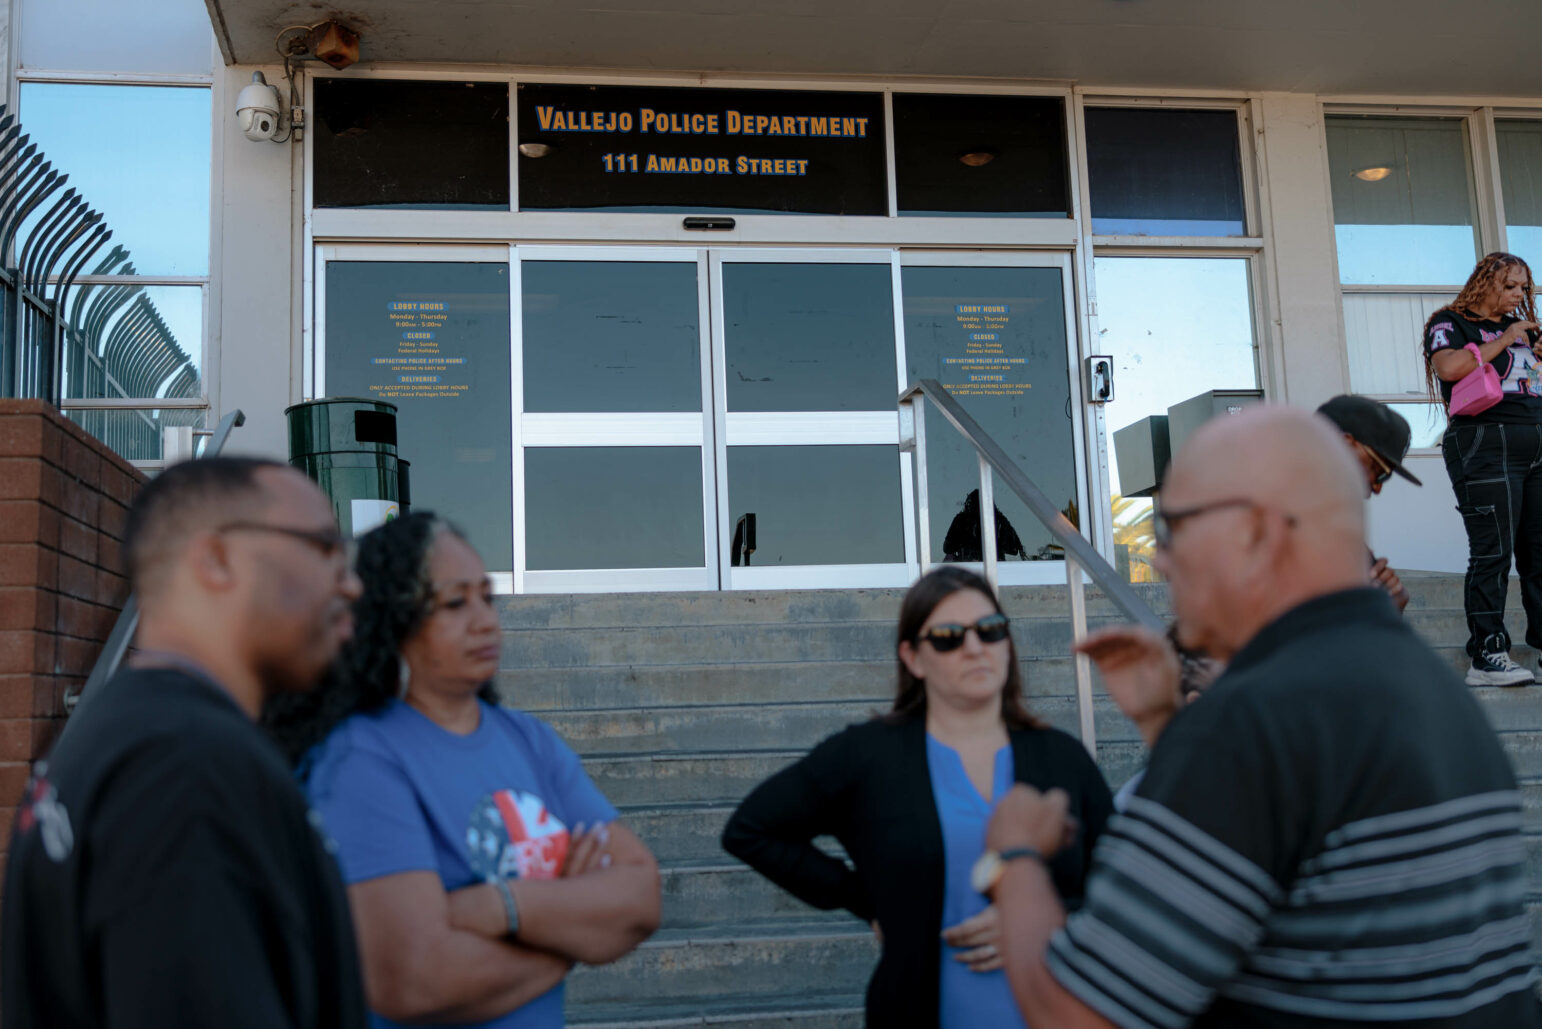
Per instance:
{"type": "Point", "coordinates": [968, 999]}
{"type": "Point", "coordinates": [397, 793]}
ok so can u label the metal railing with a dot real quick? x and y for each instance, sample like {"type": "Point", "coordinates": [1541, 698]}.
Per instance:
{"type": "Point", "coordinates": [89, 340]}
{"type": "Point", "coordinates": [1079, 555]}
{"type": "Point", "coordinates": [122, 634]}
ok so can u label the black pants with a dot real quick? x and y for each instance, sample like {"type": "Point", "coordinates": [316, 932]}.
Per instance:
{"type": "Point", "coordinates": [1496, 474]}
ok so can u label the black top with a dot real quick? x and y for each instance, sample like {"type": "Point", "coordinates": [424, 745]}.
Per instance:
{"type": "Point", "coordinates": [870, 787]}
{"type": "Point", "coordinates": [164, 871]}
{"type": "Point", "coordinates": [1331, 837]}
{"type": "Point", "coordinates": [1517, 367]}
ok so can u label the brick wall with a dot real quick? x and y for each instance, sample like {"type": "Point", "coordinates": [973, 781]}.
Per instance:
{"type": "Point", "coordinates": [63, 501]}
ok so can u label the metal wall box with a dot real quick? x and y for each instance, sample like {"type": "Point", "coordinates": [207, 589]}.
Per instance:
{"type": "Point", "coordinates": [1142, 451]}
{"type": "Point", "coordinates": [1184, 418]}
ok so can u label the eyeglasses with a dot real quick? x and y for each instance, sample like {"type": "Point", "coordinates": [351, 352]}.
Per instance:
{"type": "Point", "coordinates": [1384, 469]}
{"type": "Point", "coordinates": [950, 636]}
{"type": "Point", "coordinates": [329, 542]}
{"type": "Point", "coordinates": [1164, 522]}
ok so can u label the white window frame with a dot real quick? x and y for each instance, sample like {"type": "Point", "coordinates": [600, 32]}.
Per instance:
{"type": "Point", "coordinates": [1256, 247]}
{"type": "Point", "coordinates": [1477, 117]}
{"type": "Point", "coordinates": [209, 283]}
{"type": "Point", "coordinates": [316, 360]}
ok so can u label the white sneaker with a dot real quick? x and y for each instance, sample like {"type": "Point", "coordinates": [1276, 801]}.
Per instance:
{"type": "Point", "coordinates": [1497, 669]}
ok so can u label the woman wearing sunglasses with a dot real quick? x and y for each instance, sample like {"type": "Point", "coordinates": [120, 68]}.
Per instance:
{"type": "Point", "coordinates": [908, 795]}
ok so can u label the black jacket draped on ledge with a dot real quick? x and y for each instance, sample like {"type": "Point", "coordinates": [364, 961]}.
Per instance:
{"type": "Point", "coordinates": [869, 786]}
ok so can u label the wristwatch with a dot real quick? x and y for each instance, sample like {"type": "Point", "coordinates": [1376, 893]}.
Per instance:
{"type": "Point", "coordinates": [988, 870]}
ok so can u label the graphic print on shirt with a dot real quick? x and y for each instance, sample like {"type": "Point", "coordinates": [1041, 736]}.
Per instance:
{"type": "Point", "coordinates": [1523, 377]}
{"type": "Point", "coordinates": [512, 835]}
{"type": "Point", "coordinates": [40, 806]}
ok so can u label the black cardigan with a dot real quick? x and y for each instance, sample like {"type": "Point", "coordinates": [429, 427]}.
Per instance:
{"type": "Point", "coordinates": [869, 786]}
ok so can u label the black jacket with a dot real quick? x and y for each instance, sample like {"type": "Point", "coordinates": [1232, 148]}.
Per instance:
{"type": "Point", "coordinates": [869, 786]}
{"type": "Point", "coordinates": [165, 870]}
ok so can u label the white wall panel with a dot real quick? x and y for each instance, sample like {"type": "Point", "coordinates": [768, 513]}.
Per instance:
{"type": "Point", "coordinates": [1417, 527]}
{"type": "Point", "coordinates": [147, 37]}
{"type": "Point", "coordinates": [1383, 334]}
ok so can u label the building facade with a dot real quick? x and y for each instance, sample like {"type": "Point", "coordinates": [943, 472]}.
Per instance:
{"type": "Point", "coordinates": [645, 283]}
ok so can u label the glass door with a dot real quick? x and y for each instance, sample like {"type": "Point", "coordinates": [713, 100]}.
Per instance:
{"type": "Point", "coordinates": [811, 485]}
{"type": "Point", "coordinates": [613, 445]}
{"type": "Point", "coordinates": [993, 328]}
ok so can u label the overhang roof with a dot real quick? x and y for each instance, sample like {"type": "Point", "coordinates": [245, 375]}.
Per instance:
{"type": "Point", "coordinates": [1316, 46]}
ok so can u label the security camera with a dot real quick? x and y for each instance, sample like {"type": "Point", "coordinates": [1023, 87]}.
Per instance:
{"type": "Point", "coordinates": [257, 109]}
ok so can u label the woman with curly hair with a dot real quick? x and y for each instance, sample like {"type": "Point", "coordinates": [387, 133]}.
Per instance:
{"type": "Point", "coordinates": [908, 795]}
{"type": "Point", "coordinates": [481, 861]}
{"type": "Point", "coordinates": [1494, 458]}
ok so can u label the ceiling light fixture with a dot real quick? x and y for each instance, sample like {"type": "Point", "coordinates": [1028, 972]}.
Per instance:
{"type": "Point", "coordinates": [534, 150]}
{"type": "Point", "coordinates": [977, 157]}
{"type": "Point", "coordinates": [1375, 173]}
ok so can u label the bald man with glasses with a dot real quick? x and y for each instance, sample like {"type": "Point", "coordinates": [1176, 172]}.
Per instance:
{"type": "Point", "coordinates": [1331, 837]}
{"type": "Point", "coordinates": [164, 868]}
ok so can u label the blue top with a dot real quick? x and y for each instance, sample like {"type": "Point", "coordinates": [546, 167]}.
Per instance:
{"type": "Point", "coordinates": [969, 999]}
{"type": "Point", "coordinates": [397, 793]}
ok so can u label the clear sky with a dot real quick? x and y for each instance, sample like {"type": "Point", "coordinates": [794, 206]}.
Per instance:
{"type": "Point", "coordinates": [141, 156]}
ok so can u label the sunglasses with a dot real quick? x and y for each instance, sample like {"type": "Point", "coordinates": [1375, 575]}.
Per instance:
{"type": "Point", "coordinates": [1383, 469]}
{"type": "Point", "coordinates": [950, 636]}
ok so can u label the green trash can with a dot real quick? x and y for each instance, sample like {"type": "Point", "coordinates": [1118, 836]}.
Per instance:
{"type": "Point", "coordinates": [348, 446]}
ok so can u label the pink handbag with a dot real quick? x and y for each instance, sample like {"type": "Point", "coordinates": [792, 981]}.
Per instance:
{"type": "Point", "coordinates": [1478, 390]}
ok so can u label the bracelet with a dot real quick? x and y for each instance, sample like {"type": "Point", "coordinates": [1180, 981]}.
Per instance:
{"type": "Point", "coordinates": [510, 909]}
{"type": "Point", "coordinates": [1023, 852]}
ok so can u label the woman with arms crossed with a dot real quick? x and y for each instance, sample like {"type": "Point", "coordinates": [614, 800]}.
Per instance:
{"type": "Point", "coordinates": [908, 796]}
{"type": "Point", "coordinates": [1494, 457]}
{"type": "Point", "coordinates": [481, 861]}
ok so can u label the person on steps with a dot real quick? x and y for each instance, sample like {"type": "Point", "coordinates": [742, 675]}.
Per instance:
{"type": "Point", "coordinates": [1378, 437]}
{"type": "Point", "coordinates": [481, 861]}
{"type": "Point", "coordinates": [1494, 457]}
{"type": "Point", "coordinates": [1332, 836]}
{"type": "Point", "coordinates": [164, 868]}
{"type": "Point", "coordinates": [908, 794]}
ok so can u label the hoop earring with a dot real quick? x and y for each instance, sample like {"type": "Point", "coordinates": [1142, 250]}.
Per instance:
{"type": "Point", "coordinates": [403, 678]}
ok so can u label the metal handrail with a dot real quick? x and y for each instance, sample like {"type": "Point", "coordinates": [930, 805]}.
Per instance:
{"type": "Point", "coordinates": [1079, 554]}
{"type": "Point", "coordinates": [122, 634]}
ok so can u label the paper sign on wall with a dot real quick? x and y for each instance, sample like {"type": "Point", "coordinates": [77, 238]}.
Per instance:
{"type": "Point", "coordinates": [369, 514]}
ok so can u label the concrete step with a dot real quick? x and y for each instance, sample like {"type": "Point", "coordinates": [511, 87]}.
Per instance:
{"type": "Point", "coordinates": [751, 962]}
{"type": "Point", "coordinates": [790, 1012]}
{"type": "Point", "coordinates": [766, 726]}
{"type": "Point", "coordinates": [648, 780]}
{"type": "Point", "coordinates": [1524, 749]}
{"type": "Point", "coordinates": [698, 895]}
{"type": "Point", "coordinates": [777, 607]}
{"type": "Point", "coordinates": [745, 644]}
{"type": "Point", "coordinates": [1439, 589]}
{"type": "Point", "coordinates": [768, 682]}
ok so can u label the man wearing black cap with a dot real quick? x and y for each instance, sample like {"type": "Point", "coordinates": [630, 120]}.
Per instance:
{"type": "Point", "coordinates": [1379, 438]}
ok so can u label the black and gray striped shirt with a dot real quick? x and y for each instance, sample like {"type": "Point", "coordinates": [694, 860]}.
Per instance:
{"type": "Point", "coordinates": [1332, 836]}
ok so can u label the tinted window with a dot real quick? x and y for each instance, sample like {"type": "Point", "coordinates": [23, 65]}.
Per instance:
{"type": "Point", "coordinates": [996, 338]}
{"type": "Point", "coordinates": [1161, 172]}
{"type": "Point", "coordinates": [134, 341]}
{"type": "Point", "coordinates": [394, 143]}
{"type": "Point", "coordinates": [827, 505]}
{"type": "Point", "coordinates": [984, 155]}
{"type": "Point", "coordinates": [433, 339]}
{"type": "Point", "coordinates": [613, 507]}
{"type": "Point", "coordinates": [611, 336]}
{"type": "Point", "coordinates": [1520, 169]}
{"type": "Point", "coordinates": [137, 154]}
{"type": "Point", "coordinates": [1402, 200]}
{"type": "Point", "coordinates": [809, 337]}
